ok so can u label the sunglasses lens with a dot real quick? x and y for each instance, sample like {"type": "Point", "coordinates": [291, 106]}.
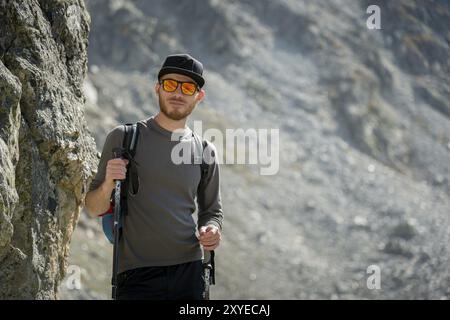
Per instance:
{"type": "Point", "coordinates": [188, 88]}
{"type": "Point", "coordinates": [170, 85]}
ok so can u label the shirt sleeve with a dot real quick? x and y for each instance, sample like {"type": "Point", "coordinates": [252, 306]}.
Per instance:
{"type": "Point", "coordinates": [209, 198]}
{"type": "Point", "coordinates": [113, 140]}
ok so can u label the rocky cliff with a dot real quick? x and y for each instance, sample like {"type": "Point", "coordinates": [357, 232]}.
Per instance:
{"type": "Point", "coordinates": [46, 155]}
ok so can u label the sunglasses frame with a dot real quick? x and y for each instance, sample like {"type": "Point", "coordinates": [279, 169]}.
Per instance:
{"type": "Point", "coordinates": [178, 84]}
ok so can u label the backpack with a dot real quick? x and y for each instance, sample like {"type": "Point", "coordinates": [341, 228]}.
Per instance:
{"type": "Point", "coordinates": [131, 182]}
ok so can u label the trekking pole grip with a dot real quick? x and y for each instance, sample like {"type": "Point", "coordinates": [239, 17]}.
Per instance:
{"type": "Point", "coordinates": [118, 152]}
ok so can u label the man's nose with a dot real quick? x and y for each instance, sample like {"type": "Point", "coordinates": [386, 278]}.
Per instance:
{"type": "Point", "coordinates": [178, 93]}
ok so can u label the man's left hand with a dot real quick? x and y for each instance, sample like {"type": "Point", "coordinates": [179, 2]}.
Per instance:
{"type": "Point", "coordinates": [209, 237]}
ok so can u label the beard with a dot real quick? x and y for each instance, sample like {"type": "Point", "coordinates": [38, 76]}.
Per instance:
{"type": "Point", "coordinates": [175, 113]}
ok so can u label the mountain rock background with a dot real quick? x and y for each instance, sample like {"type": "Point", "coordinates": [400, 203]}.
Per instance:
{"type": "Point", "coordinates": [46, 157]}
{"type": "Point", "coordinates": [364, 122]}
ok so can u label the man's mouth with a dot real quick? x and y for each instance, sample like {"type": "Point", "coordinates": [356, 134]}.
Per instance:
{"type": "Point", "coordinates": [177, 103]}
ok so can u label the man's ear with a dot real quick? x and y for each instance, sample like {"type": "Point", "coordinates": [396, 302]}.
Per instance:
{"type": "Point", "coordinates": [201, 95]}
{"type": "Point", "coordinates": [157, 86]}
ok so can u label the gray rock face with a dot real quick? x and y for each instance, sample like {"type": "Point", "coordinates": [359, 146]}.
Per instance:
{"type": "Point", "coordinates": [46, 157]}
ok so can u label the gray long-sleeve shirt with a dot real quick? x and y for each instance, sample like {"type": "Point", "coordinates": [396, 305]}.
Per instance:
{"type": "Point", "coordinates": [159, 229]}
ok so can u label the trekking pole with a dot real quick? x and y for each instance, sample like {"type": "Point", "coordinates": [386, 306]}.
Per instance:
{"type": "Point", "coordinates": [117, 216]}
{"type": "Point", "coordinates": [208, 272]}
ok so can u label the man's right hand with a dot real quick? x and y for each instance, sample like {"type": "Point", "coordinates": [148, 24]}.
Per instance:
{"type": "Point", "coordinates": [98, 201]}
{"type": "Point", "coordinates": [116, 169]}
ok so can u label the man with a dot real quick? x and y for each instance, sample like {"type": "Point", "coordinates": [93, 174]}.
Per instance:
{"type": "Point", "coordinates": [159, 252]}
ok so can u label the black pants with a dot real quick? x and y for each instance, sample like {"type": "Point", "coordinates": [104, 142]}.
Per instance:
{"type": "Point", "coordinates": [178, 282]}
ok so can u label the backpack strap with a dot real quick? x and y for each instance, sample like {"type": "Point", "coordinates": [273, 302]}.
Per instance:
{"type": "Point", "coordinates": [198, 155]}
{"type": "Point", "coordinates": [130, 139]}
{"type": "Point", "coordinates": [129, 145]}
{"type": "Point", "coordinates": [204, 166]}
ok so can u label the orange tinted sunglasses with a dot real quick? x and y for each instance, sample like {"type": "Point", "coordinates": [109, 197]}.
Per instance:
{"type": "Point", "coordinates": [170, 85]}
